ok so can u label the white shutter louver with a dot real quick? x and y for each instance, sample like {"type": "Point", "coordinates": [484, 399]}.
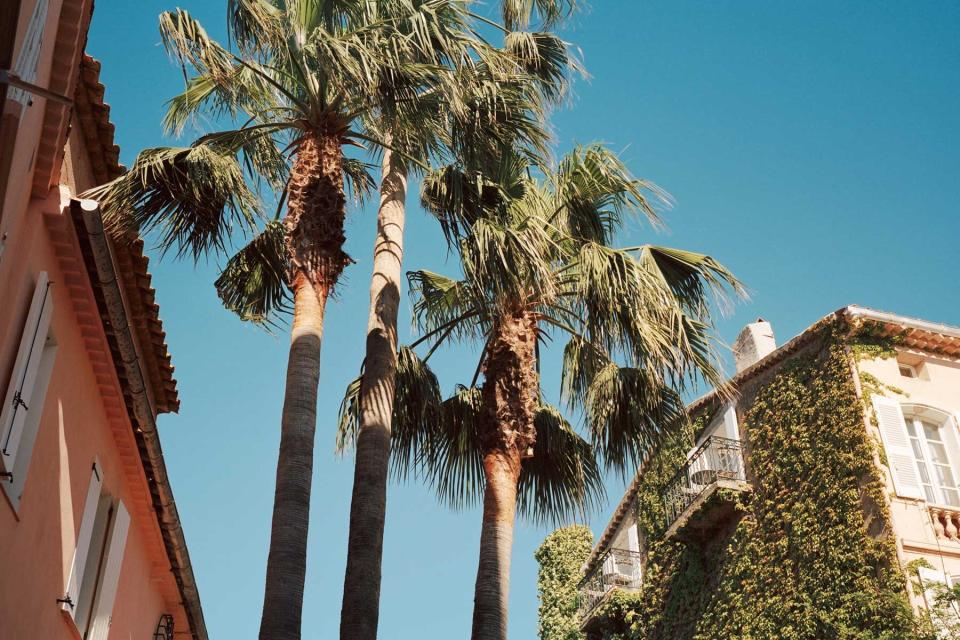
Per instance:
{"type": "Point", "coordinates": [896, 442]}
{"type": "Point", "coordinates": [92, 501]}
{"type": "Point", "coordinates": [633, 538]}
{"type": "Point", "coordinates": [25, 66]}
{"type": "Point", "coordinates": [103, 609]}
{"type": "Point", "coordinates": [23, 378]}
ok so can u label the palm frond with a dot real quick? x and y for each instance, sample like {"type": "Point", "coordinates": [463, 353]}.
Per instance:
{"type": "Point", "coordinates": [358, 179]}
{"type": "Point", "coordinates": [254, 25]}
{"type": "Point", "coordinates": [186, 39]}
{"type": "Point", "coordinates": [193, 197]}
{"type": "Point", "coordinates": [562, 480]}
{"type": "Point", "coordinates": [628, 412]}
{"type": "Point", "coordinates": [517, 14]}
{"type": "Point", "coordinates": [455, 466]}
{"type": "Point", "coordinates": [445, 306]}
{"type": "Point", "coordinates": [239, 90]}
{"type": "Point", "coordinates": [509, 260]}
{"type": "Point", "coordinates": [416, 413]}
{"type": "Point", "coordinates": [692, 276]}
{"type": "Point", "coordinates": [416, 431]}
{"type": "Point", "coordinates": [594, 189]}
{"type": "Point", "coordinates": [544, 57]}
{"type": "Point", "coordinates": [253, 284]}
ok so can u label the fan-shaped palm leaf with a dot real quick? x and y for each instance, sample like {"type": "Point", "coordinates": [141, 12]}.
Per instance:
{"type": "Point", "coordinates": [253, 284]}
{"type": "Point", "coordinates": [193, 197]}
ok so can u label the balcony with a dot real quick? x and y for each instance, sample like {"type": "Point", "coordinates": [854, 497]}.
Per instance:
{"type": "Point", "coordinates": [946, 522]}
{"type": "Point", "coordinates": [697, 499]}
{"type": "Point", "coordinates": [615, 569]}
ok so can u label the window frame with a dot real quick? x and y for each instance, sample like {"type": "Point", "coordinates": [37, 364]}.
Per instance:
{"type": "Point", "coordinates": [915, 416]}
{"type": "Point", "coordinates": [914, 372]}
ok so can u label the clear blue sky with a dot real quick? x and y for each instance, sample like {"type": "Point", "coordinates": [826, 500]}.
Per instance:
{"type": "Point", "coordinates": [812, 147]}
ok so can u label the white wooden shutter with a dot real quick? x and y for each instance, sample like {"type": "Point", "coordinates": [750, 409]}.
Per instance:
{"type": "Point", "coordinates": [609, 565]}
{"type": "Point", "coordinates": [25, 66]}
{"type": "Point", "coordinates": [731, 429]}
{"type": "Point", "coordinates": [896, 442]}
{"type": "Point", "coordinates": [103, 608]}
{"type": "Point", "coordinates": [23, 378]}
{"type": "Point", "coordinates": [633, 538]}
{"type": "Point", "coordinates": [83, 540]}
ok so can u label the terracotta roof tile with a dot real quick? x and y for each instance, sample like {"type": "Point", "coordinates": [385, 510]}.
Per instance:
{"type": "Point", "coordinates": [93, 116]}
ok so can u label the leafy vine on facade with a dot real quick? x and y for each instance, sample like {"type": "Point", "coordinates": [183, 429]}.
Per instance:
{"type": "Point", "coordinates": [561, 556]}
{"type": "Point", "coordinates": [810, 557]}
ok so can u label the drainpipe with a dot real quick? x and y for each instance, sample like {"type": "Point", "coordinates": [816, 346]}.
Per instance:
{"type": "Point", "coordinates": [146, 424]}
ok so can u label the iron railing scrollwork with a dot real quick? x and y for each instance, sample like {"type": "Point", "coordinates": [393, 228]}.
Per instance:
{"type": "Point", "coordinates": [715, 460]}
{"type": "Point", "coordinates": [614, 569]}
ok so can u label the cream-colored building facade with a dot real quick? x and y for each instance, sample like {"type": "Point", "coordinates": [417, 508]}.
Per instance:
{"type": "Point", "coordinates": [910, 390]}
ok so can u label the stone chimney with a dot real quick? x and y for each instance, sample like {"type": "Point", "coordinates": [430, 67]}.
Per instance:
{"type": "Point", "coordinates": [754, 342]}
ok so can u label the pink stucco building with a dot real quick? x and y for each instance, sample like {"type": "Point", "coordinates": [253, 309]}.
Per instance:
{"type": "Point", "coordinates": [91, 545]}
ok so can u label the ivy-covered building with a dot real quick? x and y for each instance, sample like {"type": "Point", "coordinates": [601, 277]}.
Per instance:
{"type": "Point", "coordinates": [819, 498]}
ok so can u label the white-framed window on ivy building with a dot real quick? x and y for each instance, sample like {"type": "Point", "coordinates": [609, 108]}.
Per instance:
{"type": "Point", "coordinates": [26, 390]}
{"type": "Point", "coordinates": [923, 450]}
{"type": "Point", "coordinates": [938, 477]}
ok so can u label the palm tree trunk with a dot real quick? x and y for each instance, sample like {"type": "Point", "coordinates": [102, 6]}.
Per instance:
{"type": "Point", "coordinates": [314, 237]}
{"type": "Point", "coordinates": [491, 596]}
{"type": "Point", "coordinates": [361, 586]}
{"type": "Point", "coordinates": [508, 405]}
{"type": "Point", "coordinates": [287, 561]}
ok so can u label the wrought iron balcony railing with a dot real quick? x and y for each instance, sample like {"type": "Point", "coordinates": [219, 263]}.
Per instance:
{"type": "Point", "coordinates": [615, 569]}
{"type": "Point", "coordinates": [716, 461]}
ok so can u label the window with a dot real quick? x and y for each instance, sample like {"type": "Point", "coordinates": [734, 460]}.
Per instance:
{"type": "Point", "coordinates": [95, 571]}
{"type": "Point", "coordinates": [26, 391]}
{"type": "Point", "coordinates": [908, 371]}
{"type": "Point", "coordinates": [26, 64]}
{"type": "Point", "coordinates": [922, 450]}
{"type": "Point", "coordinates": [933, 461]}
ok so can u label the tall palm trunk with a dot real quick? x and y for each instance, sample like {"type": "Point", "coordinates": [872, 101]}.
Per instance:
{"type": "Point", "coordinates": [361, 586]}
{"type": "Point", "coordinates": [508, 405]}
{"type": "Point", "coordinates": [501, 470]}
{"type": "Point", "coordinates": [314, 228]}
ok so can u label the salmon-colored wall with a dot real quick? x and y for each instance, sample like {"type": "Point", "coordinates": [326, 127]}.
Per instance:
{"type": "Point", "coordinates": [37, 542]}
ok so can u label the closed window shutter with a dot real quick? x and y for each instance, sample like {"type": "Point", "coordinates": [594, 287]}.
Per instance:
{"type": "Point", "coordinates": [103, 609]}
{"type": "Point", "coordinates": [633, 538]}
{"type": "Point", "coordinates": [896, 442]}
{"type": "Point", "coordinates": [83, 541]}
{"type": "Point", "coordinates": [23, 378]}
{"type": "Point", "coordinates": [28, 60]}
{"type": "Point", "coordinates": [731, 429]}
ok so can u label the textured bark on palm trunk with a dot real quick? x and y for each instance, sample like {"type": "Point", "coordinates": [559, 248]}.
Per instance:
{"type": "Point", "coordinates": [361, 588]}
{"type": "Point", "coordinates": [314, 228]}
{"type": "Point", "coordinates": [492, 592]}
{"type": "Point", "coordinates": [508, 405]}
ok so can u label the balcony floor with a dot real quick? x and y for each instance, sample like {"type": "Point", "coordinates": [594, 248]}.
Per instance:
{"type": "Point", "coordinates": [714, 506]}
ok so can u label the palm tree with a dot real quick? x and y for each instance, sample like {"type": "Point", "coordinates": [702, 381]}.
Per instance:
{"type": "Point", "coordinates": [536, 260]}
{"type": "Point", "coordinates": [507, 103]}
{"type": "Point", "coordinates": [302, 80]}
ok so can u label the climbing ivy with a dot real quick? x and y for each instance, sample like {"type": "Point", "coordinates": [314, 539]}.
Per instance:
{"type": "Point", "coordinates": [561, 556]}
{"type": "Point", "coordinates": [811, 556]}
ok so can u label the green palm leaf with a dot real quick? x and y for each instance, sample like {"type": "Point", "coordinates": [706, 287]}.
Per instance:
{"type": "Point", "coordinates": [253, 284]}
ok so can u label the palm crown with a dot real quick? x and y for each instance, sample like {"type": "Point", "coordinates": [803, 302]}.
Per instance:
{"type": "Point", "coordinates": [637, 322]}
{"type": "Point", "coordinates": [303, 80]}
